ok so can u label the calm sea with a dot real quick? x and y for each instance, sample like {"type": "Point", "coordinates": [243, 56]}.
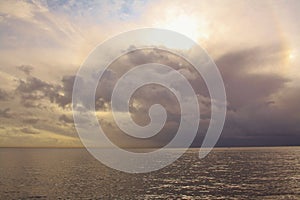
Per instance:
{"type": "Point", "coordinates": [235, 173]}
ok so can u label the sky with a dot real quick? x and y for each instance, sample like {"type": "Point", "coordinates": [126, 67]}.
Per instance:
{"type": "Point", "coordinates": [255, 45]}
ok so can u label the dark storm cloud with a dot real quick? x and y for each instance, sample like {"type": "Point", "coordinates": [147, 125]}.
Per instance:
{"type": "Point", "coordinates": [139, 57]}
{"type": "Point", "coordinates": [257, 114]}
{"type": "Point", "coordinates": [244, 88]}
{"type": "Point", "coordinates": [106, 85]}
{"type": "Point", "coordinates": [253, 113]}
{"type": "Point", "coordinates": [148, 95]}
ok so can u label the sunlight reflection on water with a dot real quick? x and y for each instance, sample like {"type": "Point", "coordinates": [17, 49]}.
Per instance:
{"type": "Point", "coordinates": [227, 173]}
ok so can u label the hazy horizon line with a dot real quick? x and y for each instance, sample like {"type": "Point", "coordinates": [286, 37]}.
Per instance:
{"type": "Point", "coordinates": [54, 147]}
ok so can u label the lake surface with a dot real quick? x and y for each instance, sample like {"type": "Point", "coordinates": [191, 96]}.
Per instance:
{"type": "Point", "coordinates": [226, 173]}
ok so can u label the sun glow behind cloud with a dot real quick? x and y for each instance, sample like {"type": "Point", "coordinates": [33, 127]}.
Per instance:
{"type": "Point", "coordinates": [292, 56]}
{"type": "Point", "coordinates": [187, 25]}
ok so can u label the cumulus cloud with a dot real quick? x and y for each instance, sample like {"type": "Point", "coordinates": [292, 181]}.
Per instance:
{"type": "Point", "coordinates": [33, 90]}
{"type": "Point", "coordinates": [32, 84]}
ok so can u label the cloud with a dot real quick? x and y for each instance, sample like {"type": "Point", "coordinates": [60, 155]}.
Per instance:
{"type": "Point", "coordinates": [3, 95]}
{"type": "Point", "coordinates": [244, 87]}
{"type": "Point", "coordinates": [33, 90]}
{"type": "Point", "coordinates": [258, 103]}
{"type": "Point", "coordinates": [27, 69]}
{"type": "Point", "coordinates": [252, 95]}
{"type": "Point", "coordinates": [65, 97]}
{"type": "Point", "coordinates": [251, 92]}
{"type": "Point", "coordinates": [148, 95]}
{"type": "Point", "coordinates": [55, 37]}
{"type": "Point", "coordinates": [5, 113]}
{"type": "Point", "coordinates": [17, 9]}
{"type": "Point", "coordinates": [66, 119]}
{"type": "Point", "coordinates": [31, 120]}
{"type": "Point", "coordinates": [32, 84]}
{"type": "Point", "coordinates": [29, 130]}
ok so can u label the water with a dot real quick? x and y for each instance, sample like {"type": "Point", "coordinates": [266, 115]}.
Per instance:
{"type": "Point", "coordinates": [236, 173]}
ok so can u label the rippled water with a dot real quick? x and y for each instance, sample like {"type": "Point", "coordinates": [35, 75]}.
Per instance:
{"type": "Point", "coordinates": [236, 173]}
